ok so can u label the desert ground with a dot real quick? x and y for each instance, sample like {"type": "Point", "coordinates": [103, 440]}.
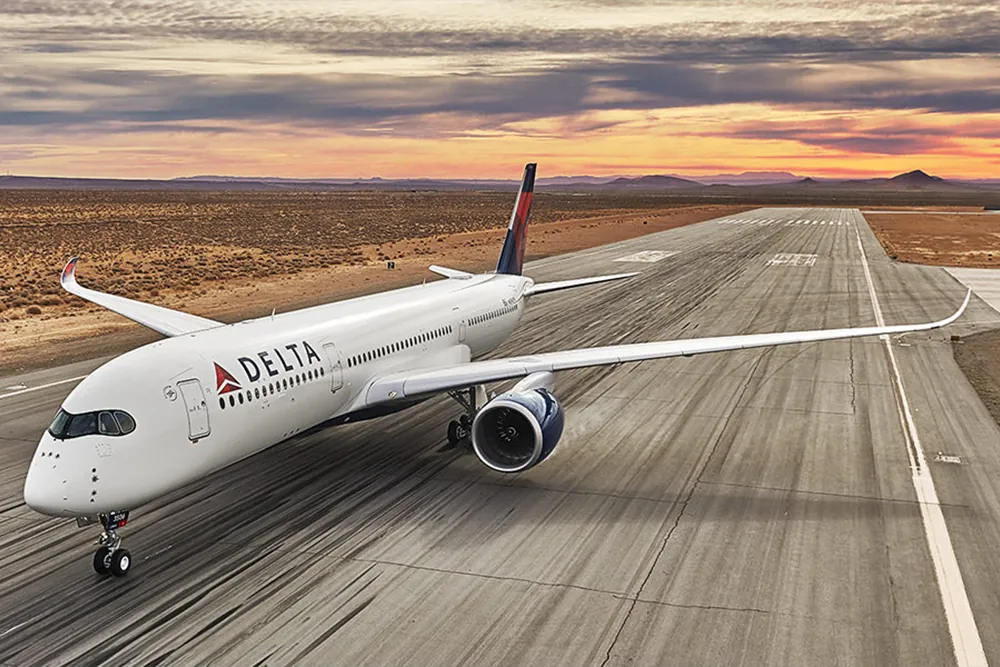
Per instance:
{"type": "Point", "coordinates": [235, 255]}
{"type": "Point", "coordinates": [953, 237]}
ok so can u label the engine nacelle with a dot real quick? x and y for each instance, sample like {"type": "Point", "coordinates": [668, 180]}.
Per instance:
{"type": "Point", "coordinates": [517, 430]}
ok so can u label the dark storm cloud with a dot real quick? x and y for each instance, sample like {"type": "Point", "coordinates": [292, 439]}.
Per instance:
{"type": "Point", "coordinates": [851, 64]}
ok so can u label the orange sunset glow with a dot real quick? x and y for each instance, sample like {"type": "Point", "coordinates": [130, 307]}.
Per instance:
{"type": "Point", "coordinates": [472, 90]}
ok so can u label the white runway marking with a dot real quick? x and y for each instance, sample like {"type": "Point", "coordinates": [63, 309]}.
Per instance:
{"type": "Point", "coordinates": [965, 639]}
{"type": "Point", "coordinates": [41, 386]}
{"type": "Point", "coordinates": [792, 259]}
{"type": "Point", "coordinates": [647, 256]}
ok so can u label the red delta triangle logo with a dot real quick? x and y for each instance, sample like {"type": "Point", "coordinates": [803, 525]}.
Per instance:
{"type": "Point", "coordinates": [224, 381]}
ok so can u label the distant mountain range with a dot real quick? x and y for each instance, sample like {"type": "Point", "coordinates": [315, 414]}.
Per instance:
{"type": "Point", "coordinates": [750, 182]}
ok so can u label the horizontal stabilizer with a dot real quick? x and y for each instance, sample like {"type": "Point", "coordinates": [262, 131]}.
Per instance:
{"type": "Point", "coordinates": [450, 273]}
{"type": "Point", "coordinates": [162, 320]}
{"type": "Point", "coordinates": [540, 288]}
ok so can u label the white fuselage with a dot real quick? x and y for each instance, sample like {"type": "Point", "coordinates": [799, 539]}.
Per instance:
{"type": "Point", "coordinates": [280, 376]}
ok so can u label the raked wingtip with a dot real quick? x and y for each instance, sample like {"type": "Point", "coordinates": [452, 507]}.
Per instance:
{"type": "Point", "coordinates": [961, 309]}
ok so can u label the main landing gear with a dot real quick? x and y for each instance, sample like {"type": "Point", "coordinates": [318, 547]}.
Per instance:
{"type": "Point", "coordinates": [110, 558]}
{"type": "Point", "coordinates": [471, 399]}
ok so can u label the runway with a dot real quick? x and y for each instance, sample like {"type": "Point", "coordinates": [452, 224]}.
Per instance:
{"type": "Point", "coordinates": [745, 508]}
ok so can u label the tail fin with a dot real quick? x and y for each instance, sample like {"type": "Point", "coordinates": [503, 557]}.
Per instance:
{"type": "Point", "coordinates": [512, 255]}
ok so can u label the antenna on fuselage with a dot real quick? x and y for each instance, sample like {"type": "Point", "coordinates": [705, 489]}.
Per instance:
{"type": "Point", "coordinates": [272, 313]}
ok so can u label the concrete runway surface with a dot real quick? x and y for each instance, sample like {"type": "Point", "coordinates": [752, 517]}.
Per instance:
{"type": "Point", "coordinates": [750, 508]}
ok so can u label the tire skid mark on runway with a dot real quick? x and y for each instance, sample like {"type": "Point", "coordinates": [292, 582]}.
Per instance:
{"type": "Point", "coordinates": [235, 551]}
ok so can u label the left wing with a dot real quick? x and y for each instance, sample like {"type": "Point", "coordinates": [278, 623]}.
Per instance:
{"type": "Point", "coordinates": [162, 320]}
{"type": "Point", "coordinates": [541, 288]}
{"type": "Point", "coordinates": [408, 384]}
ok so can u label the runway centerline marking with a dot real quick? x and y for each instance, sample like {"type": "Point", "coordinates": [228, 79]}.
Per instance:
{"type": "Point", "coordinates": [41, 386]}
{"type": "Point", "coordinates": [965, 639]}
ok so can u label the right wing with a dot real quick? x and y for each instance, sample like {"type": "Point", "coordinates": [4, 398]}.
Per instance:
{"type": "Point", "coordinates": [163, 320]}
{"type": "Point", "coordinates": [414, 383]}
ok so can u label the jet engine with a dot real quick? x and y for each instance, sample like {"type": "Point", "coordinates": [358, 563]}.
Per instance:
{"type": "Point", "coordinates": [520, 428]}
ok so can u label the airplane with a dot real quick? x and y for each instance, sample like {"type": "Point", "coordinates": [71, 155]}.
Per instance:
{"type": "Point", "coordinates": [210, 394]}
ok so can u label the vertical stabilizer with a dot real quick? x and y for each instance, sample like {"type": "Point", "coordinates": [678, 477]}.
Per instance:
{"type": "Point", "coordinates": [512, 255]}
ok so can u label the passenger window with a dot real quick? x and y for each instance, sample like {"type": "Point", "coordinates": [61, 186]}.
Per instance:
{"type": "Point", "coordinates": [322, 372]}
{"type": "Point", "coordinates": [256, 392]}
{"type": "Point", "coordinates": [232, 401]}
{"type": "Point", "coordinates": [106, 424]}
{"type": "Point", "coordinates": [241, 399]}
{"type": "Point", "coordinates": [222, 403]}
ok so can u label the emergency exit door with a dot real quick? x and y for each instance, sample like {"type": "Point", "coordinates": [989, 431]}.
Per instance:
{"type": "Point", "coordinates": [197, 409]}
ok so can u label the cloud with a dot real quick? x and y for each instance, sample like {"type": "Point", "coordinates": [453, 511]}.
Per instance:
{"type": "Point", "coordinates": [209, 66]}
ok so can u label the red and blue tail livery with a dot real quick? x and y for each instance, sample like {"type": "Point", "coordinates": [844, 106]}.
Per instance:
{"type": "Point", "coordinates": [512, 256]}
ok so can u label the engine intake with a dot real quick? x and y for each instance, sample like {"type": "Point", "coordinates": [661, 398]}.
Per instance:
{"type": "Point", "coordinates": [517, 430]}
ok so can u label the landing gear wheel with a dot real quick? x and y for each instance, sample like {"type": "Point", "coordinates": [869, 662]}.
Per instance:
{"type": "Point", "coordinates": [121, 561]}
{"type": "Point", "coordinates": [458, 431]}
{"type": "Point", "coordinates": [102, 561]}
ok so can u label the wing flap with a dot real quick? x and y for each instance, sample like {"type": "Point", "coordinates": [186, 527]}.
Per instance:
{"type": "Point", "coordinates": [402, 385]}
{"type": "Point", "coordinates": [162, 320]}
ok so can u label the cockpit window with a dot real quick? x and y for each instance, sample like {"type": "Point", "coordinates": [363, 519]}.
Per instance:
{"type": "Point", "coordinates": [59, 424]}
{"type": "Point", "coordinates": [79, 425]}
{"type": "Point", "coordinates": [105, 422]}
{"type": "Point", "coordinates": [125, 422]}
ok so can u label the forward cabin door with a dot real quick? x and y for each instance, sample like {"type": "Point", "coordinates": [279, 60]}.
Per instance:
{"type": "Point", "coordinates": [336, 367]}
{"type": "Point", "coordinates": [197, 409]}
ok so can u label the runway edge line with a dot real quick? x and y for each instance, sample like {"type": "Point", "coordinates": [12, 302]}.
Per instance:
{"type": "Point", "coordinates": [965, 639]}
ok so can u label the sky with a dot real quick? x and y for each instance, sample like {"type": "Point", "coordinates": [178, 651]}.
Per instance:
{"type": "Point", "coordinates": [473, 89]}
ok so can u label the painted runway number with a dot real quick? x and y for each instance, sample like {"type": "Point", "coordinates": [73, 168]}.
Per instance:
{"type": "Point", "coordinates": [647, 256]}
{"type": "Point", "coordinates": [792, 259]}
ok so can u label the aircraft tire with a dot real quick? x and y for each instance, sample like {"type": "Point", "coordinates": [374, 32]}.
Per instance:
{"type": "Point", "coordinates": [102, 561]}
{"type": "Point", "coordinates": [121, 562]}
{"type": "Point", "coordinates": [453, 427]}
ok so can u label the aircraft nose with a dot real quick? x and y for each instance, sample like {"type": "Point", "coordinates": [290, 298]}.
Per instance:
{"type": "Point", "coordinates": [43, 490]}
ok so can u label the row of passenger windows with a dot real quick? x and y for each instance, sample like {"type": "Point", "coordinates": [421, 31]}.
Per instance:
{"type": "Point", "coordinates": [398, 346]}
{"type": "Point", "coordinates": [271, 388]}
{"type": "Point", "coordinates": [493, 314]}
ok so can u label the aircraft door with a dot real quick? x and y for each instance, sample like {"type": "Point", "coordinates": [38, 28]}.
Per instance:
{"type": "Point", "coordinates": [197, 409]}
{"type": "Point", "coordinates": [336, 367]}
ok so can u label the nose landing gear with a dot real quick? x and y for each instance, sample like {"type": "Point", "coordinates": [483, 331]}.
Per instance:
{"type": "Point", "coordinates": [110, 558]}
